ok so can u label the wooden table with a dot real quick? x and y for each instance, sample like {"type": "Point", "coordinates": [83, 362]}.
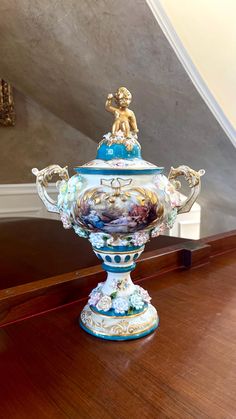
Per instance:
{"type": "Point", "coordinates": [33, 249]}
{"type": "Point", "coordinates": [50, 368]}
{"type": "Point", "coordinates": [44, 266]}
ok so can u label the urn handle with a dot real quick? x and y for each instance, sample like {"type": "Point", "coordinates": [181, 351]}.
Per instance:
{"type": "Point", "coordinates": [43, 177]}
{"type": "Point", "coordinates": [194, 182]}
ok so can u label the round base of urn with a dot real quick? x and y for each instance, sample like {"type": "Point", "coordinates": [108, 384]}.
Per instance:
{"type": "Point", "coordinates": [118, 309]}
{"type": "Point", "coordinates": [119, 327]}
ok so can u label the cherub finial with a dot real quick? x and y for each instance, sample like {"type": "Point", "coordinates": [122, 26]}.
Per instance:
{"type": "Point", "coordinates": [125, 120]}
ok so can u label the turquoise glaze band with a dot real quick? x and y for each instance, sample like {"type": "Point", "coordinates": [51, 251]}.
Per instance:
{"type": "Point", "coordinates": [109, 268]}
{"type": "Point", "coordinates": [118, 151]}
{"type": "Point", "coordinates": [117, 172]}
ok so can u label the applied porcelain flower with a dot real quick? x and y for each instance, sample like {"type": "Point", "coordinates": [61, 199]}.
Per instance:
{"type": "Point", "coordinates": [97, 240]}
{"type": "Point", "coordinates": [65, 218]}
{"type": "Point", "coordinates": [94, 298]}
{"type": "Point", "coordinates": [97, 289]}
{"type": "Point", "coordinates": [68, 191]}
{"type": "Point", "coordinates": [107, 136]}
{"type": "Point", "coordinates": [74, 186]}
{"type": "Point", "coordinates": [104, 303]}
{"type": "Point", "coordinates": [62, 196]}
{"type": "Point", "coordinates": [136, 301]}
{"type": "Point", "coordinates": [173, 194]}
{"type": "Point", "coordinates": [161, 182]}
{"type": "Point", "coordinates": [120, 135]}
{"type": "Point", "coordinates": [120, 241]}
{"type": "Point", "coordinates": [80, 231]}
{"type": "Point", "coordinates": [144, 295]}
{"type": "Point", "coordinates": [110, 240]}
{"type": "Point", "coordinates": [158, 230]}
{"type": "Point", "coordinates": [139, 238]}
{"type": "Point", "coordinates": [171, 218]}
{"type": "Point", "coordinates": [120, 305]}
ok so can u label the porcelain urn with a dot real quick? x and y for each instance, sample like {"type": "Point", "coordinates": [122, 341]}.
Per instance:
{"type": "Point", "coordinates": [118, 202]}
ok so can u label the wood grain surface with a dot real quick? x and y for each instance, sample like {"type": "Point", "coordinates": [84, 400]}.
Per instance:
{"type": "Point", "coordinates": [43, 266]}
{"type": "Point", "coordinates": [50, 368]}
{"type": "Point", "coordinates": [33, 249]}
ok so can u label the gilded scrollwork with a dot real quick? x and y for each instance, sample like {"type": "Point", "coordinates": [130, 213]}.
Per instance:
{"type": "Point", "coordinates": [192, 176]}
{"type": "Point", "coordinates": [43, 177]}
{"type": "Point", "coordinates": [114, 207]}
{"type": "Point", "coordinates": [116, 184]}
{"type": "Point", "coordinates": [194, 182]}
{"type": "Point", "coordinates": [118, 326]}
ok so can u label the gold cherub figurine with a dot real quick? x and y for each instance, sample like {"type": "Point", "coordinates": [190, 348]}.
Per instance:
{"type": "Point", "coordinates": [125, 120]}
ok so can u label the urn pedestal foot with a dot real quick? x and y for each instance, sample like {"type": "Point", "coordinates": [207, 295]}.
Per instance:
{"type": "Point", "coordinates": [118, 309]}
{"type": "Point", "coordinates": [119, 327]}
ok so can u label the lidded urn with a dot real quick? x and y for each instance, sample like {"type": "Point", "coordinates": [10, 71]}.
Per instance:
{"type": "Point", "coordinates": [118, 201]}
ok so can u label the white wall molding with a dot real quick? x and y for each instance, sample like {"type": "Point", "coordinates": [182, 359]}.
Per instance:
{"type": "Point", "coordinates": [174, 40]}
{"type": "Point", "coordinates": [21, 200]}
{"type": "Point", "coordinates": [188, 225]}
{"type": "Point", "coordinates": [22, 188]}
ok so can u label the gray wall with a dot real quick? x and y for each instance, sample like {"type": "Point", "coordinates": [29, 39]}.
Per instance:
{"type": "Point", "coordinates": [38, 139]}
{"type": "Point", "coordinates": [68, 55]}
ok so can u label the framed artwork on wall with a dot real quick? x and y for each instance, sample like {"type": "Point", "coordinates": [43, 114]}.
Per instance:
{"type": "Point", "coordinates": [7, 109]}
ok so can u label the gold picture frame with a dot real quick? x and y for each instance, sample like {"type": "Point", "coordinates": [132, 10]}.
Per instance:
{"type": "Point", "coordinates": [7, 108]}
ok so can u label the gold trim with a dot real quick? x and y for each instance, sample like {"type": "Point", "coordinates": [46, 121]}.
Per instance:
{"type": "Point", "coordinates": [124, 334]}
{"type": "Point", "coordinates": [118, 317]}
{"type": "Point", "coordinates": [118, 253]}
{"type": "Point", "coordinates": [99, 324]}
{"type": "Point", "coordinates": [193, 179]}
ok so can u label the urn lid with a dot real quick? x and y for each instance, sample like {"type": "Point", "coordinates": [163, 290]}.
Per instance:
{"type": "Point", "coordinates": [118, 146]}
{"type": "Point", "coordinates": [119, 150]}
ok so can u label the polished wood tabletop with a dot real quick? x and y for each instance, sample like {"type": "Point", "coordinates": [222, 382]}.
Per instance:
{"type": "Point", "coordinates": [32, 249]}
{"type": "Point", "coordinates": [50, 368]}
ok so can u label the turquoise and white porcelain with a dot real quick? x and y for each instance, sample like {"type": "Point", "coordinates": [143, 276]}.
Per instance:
{"type": "Point", "coordinates": [117, 309]}
{"type": "Point", "coordinates": [118, 202]}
